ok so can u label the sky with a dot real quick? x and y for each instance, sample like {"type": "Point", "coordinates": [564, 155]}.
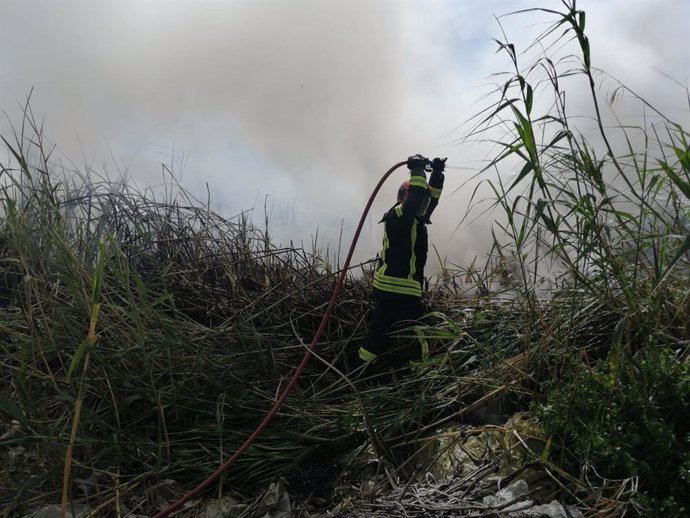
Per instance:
{"type": "Point", "coordinates": [300, 106]}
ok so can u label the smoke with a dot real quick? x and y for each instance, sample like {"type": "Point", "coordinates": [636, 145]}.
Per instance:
{"type": "Point", "coordinates": [307, 102]}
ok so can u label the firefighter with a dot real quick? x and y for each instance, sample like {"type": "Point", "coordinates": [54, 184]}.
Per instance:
{"type": "Point", "coordinates": [399, 275]}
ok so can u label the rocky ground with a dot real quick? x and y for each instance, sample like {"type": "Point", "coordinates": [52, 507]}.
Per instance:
{"type": "Point", "coordinates": [461, 471]}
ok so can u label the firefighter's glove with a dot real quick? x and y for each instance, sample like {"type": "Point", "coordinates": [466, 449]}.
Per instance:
{"type": "Point", "coordinates": [416, 164]}
{"type": "Point", "coordinates": [438, 165]}
{"type": "Point", "coordinates": [437, 177]}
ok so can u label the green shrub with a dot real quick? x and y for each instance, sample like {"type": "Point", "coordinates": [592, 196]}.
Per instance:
{"type": "Point", "coordinates": [629, 421]}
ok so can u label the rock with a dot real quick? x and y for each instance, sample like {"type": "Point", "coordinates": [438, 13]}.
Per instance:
{"type": "Point", "coordinates": [485, 444]}
{"type": "Point", "coordinates": [513, 501]}
{"type": "Point", "coordinates": [521, 430]}
{"type": "Point", "coordinates": [450, 454]}
{"type": "Point", "coordinates": [276, 502]}
{"type": "Point", "coordinates": [281, 509]}
{"type": "Point", "coordinates": [514, 491]}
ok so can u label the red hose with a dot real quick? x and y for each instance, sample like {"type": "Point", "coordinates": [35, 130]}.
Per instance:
{"type": "Point", "coordinates": [293, 381]}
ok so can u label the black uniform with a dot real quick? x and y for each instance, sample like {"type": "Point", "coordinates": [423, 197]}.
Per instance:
{"type": "Point", "coordinates": [399, 276]}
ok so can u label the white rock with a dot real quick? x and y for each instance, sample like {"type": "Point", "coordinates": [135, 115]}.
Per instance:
{"type": "Point", "coordinates": [526, 508]}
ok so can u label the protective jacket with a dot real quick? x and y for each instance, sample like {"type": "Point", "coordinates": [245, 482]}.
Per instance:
{"type": "Point", "coordinates": [400, 269]}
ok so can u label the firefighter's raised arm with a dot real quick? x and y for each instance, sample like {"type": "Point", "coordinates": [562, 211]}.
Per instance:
{"type": "Point", "coordinates": [438, 165]}
{"type": "Point", "coordinates": [413, 193]}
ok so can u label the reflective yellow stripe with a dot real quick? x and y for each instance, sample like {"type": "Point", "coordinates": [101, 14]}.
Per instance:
{"type": "Point", "coordinates": [399, 209]}
{"type": "Point", "coordinates": [413, 257]}
{"type": "Point", "coordinates": [418, 181]}
{"type": "Point", "coordinates": [366, 355]}
{"type": "Point", "coordinates": [395, 288]}
{"type": "Point", "coordinates": [397, 285]}
{"type": "Point", "coordinates": [398, 281]}
{"type": "Point", "coordinates": [435, 192]}
{"type": "Point", "coordinates": [389, 288]}
{"type": "Point", "coordinates": [386, 246]}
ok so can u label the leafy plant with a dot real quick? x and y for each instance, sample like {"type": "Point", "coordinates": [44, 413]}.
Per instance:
{"type": "Point", "coordinates": [604, 214]}
{"type": "Point", "coordinates": [630, 421]}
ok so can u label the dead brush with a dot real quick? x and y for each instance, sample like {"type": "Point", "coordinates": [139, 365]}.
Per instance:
{"type": "Point", "coordinates": [200, 320]}
{"type": "Point", "coordinates": [199, 317]}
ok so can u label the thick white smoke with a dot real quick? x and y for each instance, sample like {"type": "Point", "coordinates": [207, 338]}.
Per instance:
{"type": "Point", "coordinates": [306, 101]}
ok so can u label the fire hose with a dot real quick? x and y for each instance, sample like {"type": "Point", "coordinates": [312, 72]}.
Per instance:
{"type": "Point", "coordinates": [293, 381]}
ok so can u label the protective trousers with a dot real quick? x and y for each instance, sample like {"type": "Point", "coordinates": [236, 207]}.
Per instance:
{"type": "Point", "coordinates": [391, 313]}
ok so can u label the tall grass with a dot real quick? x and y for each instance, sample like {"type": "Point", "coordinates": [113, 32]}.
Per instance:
{"type": "Point", "coordinates": [144, 336]}
{"type": "Point", "coordinates": [609, 208]}
{"type": "Point", "coordinates": [191, 322]}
